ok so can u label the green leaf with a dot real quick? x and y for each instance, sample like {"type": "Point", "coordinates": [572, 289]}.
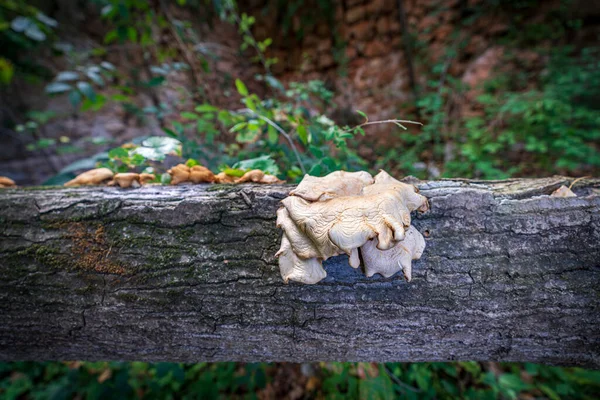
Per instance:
{"type": "Point", "coordinates": [302, 134]}
{"type": "Point", "coordinates": [234, 172]}
{"type": "Point", "coordinates": [362, 114]}
{"type": "Point", "coordinates": [189, 115]}
{"type": "Point", "coordinates": [87, 90]}
{"type": "Point", "coordinates": [241, 88]}
{"type": "Point", "coordinates": [107, 66]}
{"type": "Point", "coordinates": [96, 78]}
{"type": "Point", "coordinates": [66, 76]}
{"type": "Point", "coordinates": [191, 162]}
{"type": "Point", "coordinates": [35, 33]}
{"type": "Point", "coordinates": [238, 126]}
{"type": "Point", "coordinates": [165, 179]}
{"type": "Point", "coordinates": [58, 87]}
{"type": "Point", "coordinates": [19, 24]}
{"type": "Point", "coordinates": [75, 98]}
{"type": "Point", "coordinates": [118, 153]}
{"type": "Point", "coordinates": [206, 108]}
{"type": "Point", "coordinates": [111, 36]}
{"type": "Point", "coordinates": [132, 34]}
{"type": "Point", "coordinates": [272, 135]}
{"type": "Point", "coordinates": [46, 20]}
{"type": "Point", "coordinates": [264, 163]}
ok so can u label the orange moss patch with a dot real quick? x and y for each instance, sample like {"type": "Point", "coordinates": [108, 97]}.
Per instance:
{"type": "Point", "coordinates": [90, 249]}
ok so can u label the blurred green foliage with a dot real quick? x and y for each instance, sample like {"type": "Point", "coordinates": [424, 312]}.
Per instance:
{"type": "Point", "coordinates": [101, 380]}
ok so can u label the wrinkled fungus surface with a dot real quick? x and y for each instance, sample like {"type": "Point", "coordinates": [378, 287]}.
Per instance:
{"type": "Point", "coordinates": [349, 213]}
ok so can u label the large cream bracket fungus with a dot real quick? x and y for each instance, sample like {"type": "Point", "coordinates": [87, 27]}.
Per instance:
{"type": "Point", "coordinates": [348, 213]}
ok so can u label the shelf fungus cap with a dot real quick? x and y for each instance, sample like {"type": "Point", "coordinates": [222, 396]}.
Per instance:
{"type": "Point", "coordinates": [336, 184]}
{"type": "Point", "coordinates": [6, 182]}
{"type": "Point", "coordinates": [91, 177]}
{"type": "Point", "coordinates": [349, 213]}
{"type": "Point", "coordinates": [398, 258]}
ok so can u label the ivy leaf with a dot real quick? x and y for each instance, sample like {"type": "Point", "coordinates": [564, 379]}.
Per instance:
{"type": "Point", "coordinates": [58, 87]}
{"type": "Point", "coordinates": [241, 88]}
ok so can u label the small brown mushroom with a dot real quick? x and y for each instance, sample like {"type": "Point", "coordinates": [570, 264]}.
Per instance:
{"type": "Point", "coordinates": [254, 175]}
{"type": "Point", "coordinates": [146, 178]}
{"type": "Point", "coordinates": [270, 179]}
{"type": "Point", "coordinates": [563, 191]}
{"type": "Point", "coordinates": [179, 174]}
{"type": "Point", "coordinates": [6, 182]}
{"type": "Point", "coordinates": [222, 177]}
{"type": "Point", "coordinates": [200, 174]}
{"type": "Point", "coordinates": [127, 179]}
{"type": "Point", "coordinates": [91, 177]}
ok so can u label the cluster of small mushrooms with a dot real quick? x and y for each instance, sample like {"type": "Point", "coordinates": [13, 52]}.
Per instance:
{"type": "Point", "coordinates": [179, 174]}
{"type": "Point", "coordinates": [348, 213]}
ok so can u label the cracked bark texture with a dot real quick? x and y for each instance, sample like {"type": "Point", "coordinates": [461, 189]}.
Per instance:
{"type": "Point", "coordinates": [188, 273]}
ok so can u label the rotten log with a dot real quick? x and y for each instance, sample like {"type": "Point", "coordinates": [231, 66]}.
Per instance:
{"type": "Point", "coordinates": [188, 273]}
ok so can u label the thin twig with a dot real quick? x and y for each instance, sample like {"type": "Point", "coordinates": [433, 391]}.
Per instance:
{"type": "Point", "coordinates": [263, 60]}
{"type": "Point", "coordinates": [398, 382]}
{"type": "Point", "coordinates": [577, 180]}
{"type": "Point", "coordinates": [196, 75]}
{"type": "Point", "coordinates": [390, 121]}
{"type": "Point", "coordinates": [407, 47]}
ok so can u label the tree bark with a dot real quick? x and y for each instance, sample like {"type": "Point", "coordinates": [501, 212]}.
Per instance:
{"type": "Point", "coordinates": [188, 273]}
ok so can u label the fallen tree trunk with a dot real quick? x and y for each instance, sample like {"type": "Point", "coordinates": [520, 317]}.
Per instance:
{"type": "Point", "coordinates": [187, 273]}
